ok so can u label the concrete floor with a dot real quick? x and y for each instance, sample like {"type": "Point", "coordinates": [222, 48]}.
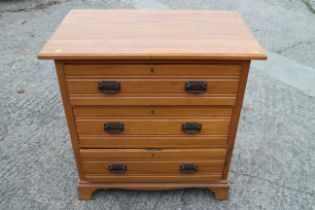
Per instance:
{"type": "Point", "coordinates": [273, 162]}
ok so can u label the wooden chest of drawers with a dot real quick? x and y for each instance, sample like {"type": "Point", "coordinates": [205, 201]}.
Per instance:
{"type": "Point", "coordinates": [152, 98]}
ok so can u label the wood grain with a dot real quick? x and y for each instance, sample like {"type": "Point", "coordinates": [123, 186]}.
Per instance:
{"type": "Point", "coordinates": [157, 99]}
{"type": "Point", "coordinates": [204, 141]}
{"type": "Point", "coordinates": [69, 116]}
{"type": "Point", "coordinates": [152, 154]}
{"type": "Point", "coordinates": [154, 179]}
{"type": "Point", "coordinates": [158, 68]}
{"type": "Point", "coordinates": [236, 116]}
{"type": "Point", "coordinates": [172, 86]}
{"type": "Point", "coordinates": [152, 54]}
{"type": "Point", "coordinates": [220, 193]}
{"type": "Point", "coordinates": [143, 126]}
{"type": "Point", "coordinates": [152, 112]}
{"type": "Point", "coordinates": [220, 188]}
{"type": "Point", "coordinates": [152, 34]}
{"type": "Point", "coordinates": [153, 167]}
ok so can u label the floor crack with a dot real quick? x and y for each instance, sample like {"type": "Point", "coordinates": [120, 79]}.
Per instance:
{"type": "Point", "coordinates": [272, 182]}
{"type": "Point", "coordinates": [309, 6]}
{"type": "Point", "coordinates": [37, 6]}
{"type": "Point", "coordinates": [293, 46]}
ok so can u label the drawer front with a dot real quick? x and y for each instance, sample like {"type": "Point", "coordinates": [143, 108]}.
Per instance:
{"type": "Point", "coordinates": [168, 167]}
{"type": "Point", "coordinates": [149, 141]}
{"type": "Point", "coordinates": [219, 69]}
{"type": "Point", "coordinates": [118, 178]}
{"type": "Point", "coordinates": [134, 84]}
{"type": "Point", "coordinates": [143, 126]}
{"type": "Point", "coordinates": [116, 87]}
{"type": "Point", "coordinates": [147, 165]}
{"type": "Point", "coordinates": [152, 154]}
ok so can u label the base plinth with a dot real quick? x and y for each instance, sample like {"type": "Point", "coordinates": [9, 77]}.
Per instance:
{"type": "Point", "coordinates": [86, 189]}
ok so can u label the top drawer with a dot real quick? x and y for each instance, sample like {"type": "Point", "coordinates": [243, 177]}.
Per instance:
{"type": "Point", "coordinates": [152, 84]}
{"type": "Point", "coordinates": [94, 70]}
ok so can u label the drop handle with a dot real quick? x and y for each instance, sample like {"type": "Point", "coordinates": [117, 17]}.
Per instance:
{"type": "Point", "coordinates": [117, 168]}
{"type": "Point", "coordinates": [196, 87]}
{"type": "Point", "coordinates": [188, 168]}
{"type": "Point", "coordinates": [191, 127]}
{"type": "Point", "coordinates": [108, 87]}
{"type": "Point", "coordinates": [113, 127]}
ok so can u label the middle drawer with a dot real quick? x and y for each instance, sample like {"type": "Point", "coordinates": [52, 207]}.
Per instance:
{"type": "Point", "coordinates": [152, 121]}
{"type": "Point", "coordinates": [142, 126]}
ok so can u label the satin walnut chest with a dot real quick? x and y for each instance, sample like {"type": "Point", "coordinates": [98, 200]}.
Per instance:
{"type": "Point", "coordinates": [152, 97]}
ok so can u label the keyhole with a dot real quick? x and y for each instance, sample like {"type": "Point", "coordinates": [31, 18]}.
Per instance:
{"type": "Point", "coordinates": [152, 70]}
{"type": "Point", "coordinates": [152, 111]}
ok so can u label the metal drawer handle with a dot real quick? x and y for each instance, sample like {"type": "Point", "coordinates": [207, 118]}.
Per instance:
{"type": "Point", "coordinates": [114, 127]}
{"type": "Point", "coordinates": [117, 168]}
{"type": "Point", "coordinates": [191, 127]}
{"type": "Point", "coordinates": [196, 87]}
{"type": "Point", "coordinates": [188, 168]}
{"type": "Point", "coordinates": [109, 87]}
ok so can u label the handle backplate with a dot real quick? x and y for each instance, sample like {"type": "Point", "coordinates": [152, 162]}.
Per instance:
{"type": "Point", "coordinates": [117, 168]}
{"type": "Point", "coordinates": [191, 127]}
{"type": "Point", "coordinates": [109, 87]}
{"type": "Point", "coordinates": [113, 127]}
{"type": "Point", "coordinates": [196, 87]}
{"type": "Point", "coordinates": [188, 168]}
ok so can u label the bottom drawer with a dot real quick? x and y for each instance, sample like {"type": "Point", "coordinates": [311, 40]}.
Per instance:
{"type": "Point", "coordinates": [151, 165]}
{"type": "Point", "coordinates": [154, 178]}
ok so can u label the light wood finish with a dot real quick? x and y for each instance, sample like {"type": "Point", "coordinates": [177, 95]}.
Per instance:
{"type": "Point", "coordinates": [85, 192]}
{"type": "Point", "coordinates": [86, 189]}
{"type": "Point", "coordinates": [153, 167]}
{"type": "Point", "coordinates": [235, 116]}
{"type": "Point", "coordinates": [215, 99]}
{"type": "Point", "coordinates": [152, 34]}
{"type": "Point", "coordinates": [152, 54]}
{"type": "Point", "coordinates": [220, 193]}
{"type": "Point", "coordinates": [149, 141]}
{"type": "Point", "coordinates": [152, 112]}
{"type": "Point", "coordinates": [121, 178]}
{"type": "Point", "coordinates": [143, 126]}
{"type": "Point", "coordinates": [162, 69]}
{"type": "Point", "coordinates": [192, 141]}
{"type": "Point", "coordinates": [170, 86]}
{"type": "Point", "coordinates": [69, 116]}
{"type": "Point", "coordinates": [139, 90]}
{"type": "Point", "coordinates": [152, 154]}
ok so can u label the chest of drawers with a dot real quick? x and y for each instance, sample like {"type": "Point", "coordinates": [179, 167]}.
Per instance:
{"type": "Point", "coordinates": [152, 98]}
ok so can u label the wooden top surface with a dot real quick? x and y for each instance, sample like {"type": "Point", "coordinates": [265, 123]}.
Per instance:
{"type": "Point", "coordinates": [152, 34]}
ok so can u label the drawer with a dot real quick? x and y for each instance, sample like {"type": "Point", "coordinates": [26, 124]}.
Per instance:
{"type": "Point", "coordinates": [183, 178]}
{"type": "Point", "coordinates": [144, 126]}
{"type": "Point", "coordinates": [166, 167]}
{"type": "Point", "coordinates": [114, 87]}
{"type": "Point", "coordinates": [131, 69]}
{"type": "Point", "coordinates": [147, 165]}
{"type": "Point", "coordinates": [151, 141]}
{"type": "Point", "coordinates": [134, 84]}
